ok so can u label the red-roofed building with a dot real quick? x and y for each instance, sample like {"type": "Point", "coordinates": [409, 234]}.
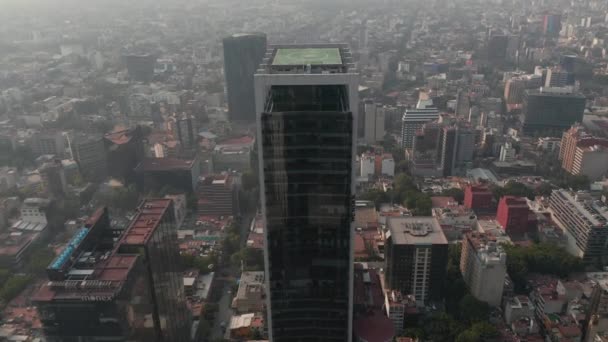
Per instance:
{"type": "Point", "coordinates": [515, 216]}
{"type": "Point", "coordinates": [370, 324]}
{"type": "Point", "coordinates": [478, 197]}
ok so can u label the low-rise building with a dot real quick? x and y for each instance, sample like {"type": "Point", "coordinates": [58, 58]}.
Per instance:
{"type": "Point", "coordinates": [517, 307]}
{"type": "Point", "coordinates": [246, 326]}
{"type": "Point", "coordinates": [455, 219]}
{"type": "Point", "coordinates": [250, 295]}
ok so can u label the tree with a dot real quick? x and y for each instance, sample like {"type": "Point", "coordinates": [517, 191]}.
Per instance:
{"type": "Point", "coordinates": [456, 193]}
{"type": "Point", "coordinates": [40, 260]}
{"type": "Point", "coordinates": [13, 286]}
{"type": "Point", "coordinates": [478, 332]}
{"type": "Point", "coordinates": [540, 258]}
{"type": "Point", "coordinates": [513, 189]}
{"type": "Point", "coordinates": [375, 195]}
{"type": "Point", "coordinates": [544, 189]}
{"type": "Point", "coordinates": [472, 309]}
{"type": "Point", "coordinates": [251, 259]}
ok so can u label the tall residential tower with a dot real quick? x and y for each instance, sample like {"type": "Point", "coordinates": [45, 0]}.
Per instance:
{"type": "Point", "coordinates": [306, 104]}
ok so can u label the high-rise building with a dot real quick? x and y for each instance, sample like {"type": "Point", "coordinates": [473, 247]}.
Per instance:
{"type": "Point", "coordinates": [54, 179]}
{"type": "Point", "coordinates": [243, 53]}
{"type": "Point", "coordinates": [448, 155]}
{"type": "Point", "coordinates": [551, 110]}
{"type": "Point", "coordinates": [558, 78]}
{"type": "Point", "coordinates": [483, 264]}
{"type": "Point", "coordinates": [585, 222]}
{"type": "Point", "coordinates": [218, 195]}
{"type": "Point", "coordinates": [478, 197]}
{"type": "Point", "coordinates": [568, 62]}
{"type": "Point", "coordinates": [414, 119]}
{"type": "Point", "coordinates": [416, 255]}
{"type": "Point", "coordinates": [125, 149]}
{"type": "Point", "coordinates": [184, 128]}
{"type": "Point", "coordinates": [48, 143]}
{"type": "Point", "coordinates": [373, 123]}
{"type": "Point", "coordinates": [552, 24]}
{"type": "Point", "coordinates": [306, 104]}
{"type": "Point", "coordinates": [90, 153]}
{"type": "Point", "coordinates": [514, 215]}
{"type": "Point", "coordinates": [507, 152]}
{"type": "Point", "coordinates": [465, 147]}
{"type": "Point", "coordinates": [130, 290]}
{"type": "Point", "coordinates": [427, 150]}
{"type": "Point", "coordinates": [497, 47]}
{"type": "Point", "coordinates": [155, 173]}
{"type": "Point", "coordinates": [583, 154]}
{"type": "Point", "coordinates": [140, 67]}
{"type": "Point", "coordinates": [152, 235]}
{"type": "Point", "coordinates": [515, 89]}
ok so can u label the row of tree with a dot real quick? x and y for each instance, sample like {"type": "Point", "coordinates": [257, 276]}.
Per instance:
{"type": "Point", "coordinates": [404, 192]}
{"type": "Point", "coordinates": [540, 258]}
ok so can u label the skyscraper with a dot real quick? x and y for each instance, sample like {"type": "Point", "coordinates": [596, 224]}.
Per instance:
{"type": "Point", "coordinates": [414, 119]}
{"type": "Point", "coordinates": [551, 111]}
{"type": "Point", "coordinates": [306, 104]}
{"type": "Point", "coordinates": [129, 290]}
{"type": "Point", "coordinates": [140, 67]}
{"type": "Point", "coordinates": [243, 53]}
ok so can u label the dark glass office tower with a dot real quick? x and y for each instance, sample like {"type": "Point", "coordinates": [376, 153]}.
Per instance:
{"type": "Point", "coordinates": [307, 124]}
{"type": "Point", "coordinates": [100, 289]}
{"type": "Point", "coordinates": [243, 53]}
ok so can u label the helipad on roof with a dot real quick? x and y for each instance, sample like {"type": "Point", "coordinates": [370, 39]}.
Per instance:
{"type": "Point", "coordinates": [305, 56]}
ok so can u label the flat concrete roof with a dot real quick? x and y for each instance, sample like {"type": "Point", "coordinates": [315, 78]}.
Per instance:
{"type": "Point", "coordinates": [418, 230]}
{"type": "Point", "coordinates": [305, 56]}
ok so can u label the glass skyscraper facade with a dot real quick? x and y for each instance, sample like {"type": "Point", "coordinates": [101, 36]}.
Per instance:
{"type": "Point", "coordinates": [131, 290]}
{"type": "Point", "coordinates": [307, 130]}
{"type": "Point", "coordinates": [243, 53]}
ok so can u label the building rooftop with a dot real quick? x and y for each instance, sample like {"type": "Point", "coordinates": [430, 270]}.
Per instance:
{"type": "Point", "coordinates": [415, 231]}
{"type": "Point", "coordinates": [307, 59]}
{"type": "Point", "coordinates": [102, 284]}
{"type": "Point", "coordinates": [164, 164]}
{"type": "Point", "coordinates": [145, 222]}
{"type": "Point", "coordinates": [594, 211]}
{"type": "Point", "coordinates": [305, 56]}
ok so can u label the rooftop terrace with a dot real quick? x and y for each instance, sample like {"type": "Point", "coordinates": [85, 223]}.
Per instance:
{"type": "Point", "coordinates": [305, 56]}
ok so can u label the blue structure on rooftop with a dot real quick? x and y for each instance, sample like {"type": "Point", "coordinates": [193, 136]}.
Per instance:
{"type": "Point", "coordinates": [67, 252]}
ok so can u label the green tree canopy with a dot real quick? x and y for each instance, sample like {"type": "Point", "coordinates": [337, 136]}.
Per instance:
{"type": "Point", "coordinates": [540, 258]}
{"type": "Point", "coordinates": [458, 194]}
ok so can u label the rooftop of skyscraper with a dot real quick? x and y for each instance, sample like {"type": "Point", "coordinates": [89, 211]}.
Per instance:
{"type": "Point", "coordinates": [415, 231]}
{"type": "Point", "coordinates": [145, 222]}
{"type": "Point", "coordinates": [307, 59]}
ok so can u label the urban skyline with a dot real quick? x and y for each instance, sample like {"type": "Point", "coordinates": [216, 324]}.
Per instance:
{"type": "Point", "coordinates": [293, 171]}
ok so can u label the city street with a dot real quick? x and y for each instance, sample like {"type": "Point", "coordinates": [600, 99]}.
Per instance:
{"type": "Point", "coordinates": [224, 311]}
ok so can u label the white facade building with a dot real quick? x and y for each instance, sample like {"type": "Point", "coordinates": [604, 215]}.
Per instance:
{"type": "Point", "coordinates": [483, 264]}
{"type": "Point", "coordinates": [507, 153]}
{"type": "Point", "coordinates": [374, 123]}
{"type": "Point", "coordinates": [367, 165]}
{"type": "Point", "coordinates": [388, 166]}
